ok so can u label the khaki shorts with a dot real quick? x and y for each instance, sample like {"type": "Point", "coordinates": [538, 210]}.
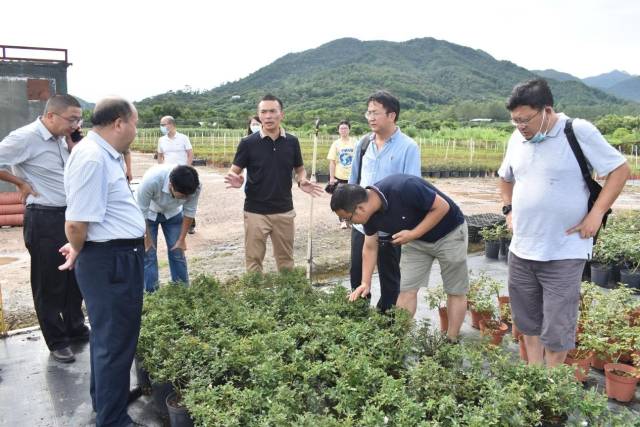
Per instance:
{"type": "Point", "coordinates": [451, 253]}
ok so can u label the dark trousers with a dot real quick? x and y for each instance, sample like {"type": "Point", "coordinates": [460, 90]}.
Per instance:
{"type": "Point", "coordinates": [388, 268]}
{"type": "Point", "coordinates": [111, 278]}
{"type": "Point", "coordinates": [56, 297]}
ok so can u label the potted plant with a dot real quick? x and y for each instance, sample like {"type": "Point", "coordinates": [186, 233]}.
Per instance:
{"type": "Point", "coordinates": [606, 330]}
{"type": "Point", "coordinates": [481, 308]}
{"type": "Point", "coordinates": [630, 274]}
{"type": "Point", "coordinates": [580, 359]}
{"type": "Point", "coordinates": [505, 240]}
{"type": "Point", "coordinates": [493, 328]}
{"type": "Point", "coordinates": [491, 236]}
{"type": "Point", "coordinates": [437, 299]}
{"type": "Point", "coordinates": [505, 313]}
{"type": "Point", "coordinates": [621, 381]}
{"type": "Point", "coordinates": [607, 256]}
{"type": "Point", "coordinates": [480, 298]}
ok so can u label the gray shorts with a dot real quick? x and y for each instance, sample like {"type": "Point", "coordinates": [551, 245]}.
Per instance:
{"type": "Point", "coordinates": [451, 253]}
{"type": "Point", "coordinates": [544, 299]}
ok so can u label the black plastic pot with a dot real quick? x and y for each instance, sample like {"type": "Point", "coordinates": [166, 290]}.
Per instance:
{"type": "Point", "coordinates": [630, 278]}
{"type": "Point", "coordinates": [142, 376]}
{"type": "Point", "coordinates": [178, 414]}
{"type": "Point", "coordinates": [600, 274]}
{"type": "Point", "coordinates": [444, 174]}
{"type": "Point", "coordinates": [159, 393]}
{"type": "Point", "coordinates": [614, 274]}
{"type": "Point", "coordinates": [492, 249]}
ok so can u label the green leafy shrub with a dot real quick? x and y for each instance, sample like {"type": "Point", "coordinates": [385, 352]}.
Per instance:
{"type": "Point", "coordinates": [265, 350]}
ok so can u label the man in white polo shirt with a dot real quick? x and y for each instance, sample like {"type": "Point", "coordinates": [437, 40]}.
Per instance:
{"type": "Point", "coordinates": [545, 200]}
{"type": "Point", "coordinates": [174, 148]}
{"type": "Point", "coordinates": [105, 229]}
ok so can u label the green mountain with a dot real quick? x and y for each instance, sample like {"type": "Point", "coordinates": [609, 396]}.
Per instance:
{"type": "Point", "coordinates": [607, 80]}
{"type": "Point", "coordinates": [627, 89]}
{"type": "Point", "coordinates": [335, 79]}
{"type": "Point", "coordinates": [556, 75]}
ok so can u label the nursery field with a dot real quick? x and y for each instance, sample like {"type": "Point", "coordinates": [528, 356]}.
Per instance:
{"type": "Point", "coordinates": [217, 246]}
{"type": "Point", "coordinates": [464, 151]}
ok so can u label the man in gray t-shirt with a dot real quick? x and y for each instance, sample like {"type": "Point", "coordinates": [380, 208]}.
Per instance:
{"type": "Point", "coordinates": [37, 154]}
{"type": "Point", "coordinates": [545, 202]}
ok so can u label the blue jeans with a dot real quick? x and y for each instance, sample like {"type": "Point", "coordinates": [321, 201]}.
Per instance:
{"type": "Point", "coordinates": [177, 262]}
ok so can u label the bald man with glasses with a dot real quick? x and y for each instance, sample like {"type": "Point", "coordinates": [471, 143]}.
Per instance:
{"type": "Point", "coordinates": [38, 153]}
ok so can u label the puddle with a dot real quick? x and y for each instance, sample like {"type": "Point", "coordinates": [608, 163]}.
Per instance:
{"type": "Point", "coordinates": [7, 260]}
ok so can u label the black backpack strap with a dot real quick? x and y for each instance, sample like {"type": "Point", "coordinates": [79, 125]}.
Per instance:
{"type": "Point", "coordinates": [577, 151]}
{"type": "Point", "coordinates": [592, 184]}
{"type": "Point", "coordinates": [364, 144]}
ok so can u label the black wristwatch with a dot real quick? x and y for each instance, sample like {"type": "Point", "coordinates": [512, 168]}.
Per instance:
{"type": "Point", "coordinates": [506, 209]}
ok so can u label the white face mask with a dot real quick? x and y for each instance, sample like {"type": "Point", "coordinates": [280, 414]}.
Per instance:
{"type": "Point", "coordinates": [164, 130]}
{"type": "Point", "coordinates": [255, 128]}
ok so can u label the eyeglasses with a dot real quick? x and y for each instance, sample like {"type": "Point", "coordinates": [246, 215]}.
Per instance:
{"type": "Point", "coordinates": [350, 217]}
{"type": "Point", "coordinates": [73, 121]}
{"type": "Point", "coordinates": [373, 114]}
{"type": "Point", "coordinates": [525, 122]}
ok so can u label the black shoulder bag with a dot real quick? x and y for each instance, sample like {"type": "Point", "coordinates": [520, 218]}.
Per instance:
{"type": "Point", "coordinates": [592, 184]}
{"type": "Point", "coordinates": [363, 149]}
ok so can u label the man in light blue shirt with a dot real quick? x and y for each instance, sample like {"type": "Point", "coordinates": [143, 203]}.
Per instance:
{"type": "Point", "coordinates": [105, 229]}
{"type": "Point", "coordinates": [168, 197]}
{"type": "Point", "coordinates": [388, 152]}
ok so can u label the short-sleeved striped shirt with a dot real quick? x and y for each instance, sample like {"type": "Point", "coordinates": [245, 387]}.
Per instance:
{"type": "Point", "coordinates": [98, 192]}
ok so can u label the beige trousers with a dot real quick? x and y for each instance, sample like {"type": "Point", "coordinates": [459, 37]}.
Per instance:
{"type": "Point", "coordinates": [257, 228]}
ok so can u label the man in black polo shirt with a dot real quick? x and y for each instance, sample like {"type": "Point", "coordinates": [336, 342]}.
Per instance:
{"type": "Point", "coordinates": [269, 157]}
{"type": "Point", "coordinates": [426, 222]}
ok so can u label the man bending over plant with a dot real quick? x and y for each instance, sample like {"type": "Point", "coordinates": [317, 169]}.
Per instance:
{"type": "Point", "coordinates": [428, 225]}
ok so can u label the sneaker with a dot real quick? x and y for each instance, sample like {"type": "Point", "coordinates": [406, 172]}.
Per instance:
{"type": "Point", "coordinates": [63, 355]}
{"type": "Point", "coordinates": [192, 230]}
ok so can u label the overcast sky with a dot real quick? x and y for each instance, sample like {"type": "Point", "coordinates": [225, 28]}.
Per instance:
{"type": "Point", "coordinates": [139, 49]}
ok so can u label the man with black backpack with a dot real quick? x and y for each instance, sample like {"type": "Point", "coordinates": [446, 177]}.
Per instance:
{"type": "Point", "coordinates": [383, 152]}
{"type": "Point", "coordinates": [555, 208]}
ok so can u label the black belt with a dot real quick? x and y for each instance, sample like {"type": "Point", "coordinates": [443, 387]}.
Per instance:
{"type": "Point", "coordinates": [117, 242]}
{"type": "Point", "coordinates": [46, 208]}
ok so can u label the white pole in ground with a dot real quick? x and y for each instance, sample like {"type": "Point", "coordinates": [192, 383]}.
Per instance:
{"type": "Point", "coordinates": [313, 180]}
